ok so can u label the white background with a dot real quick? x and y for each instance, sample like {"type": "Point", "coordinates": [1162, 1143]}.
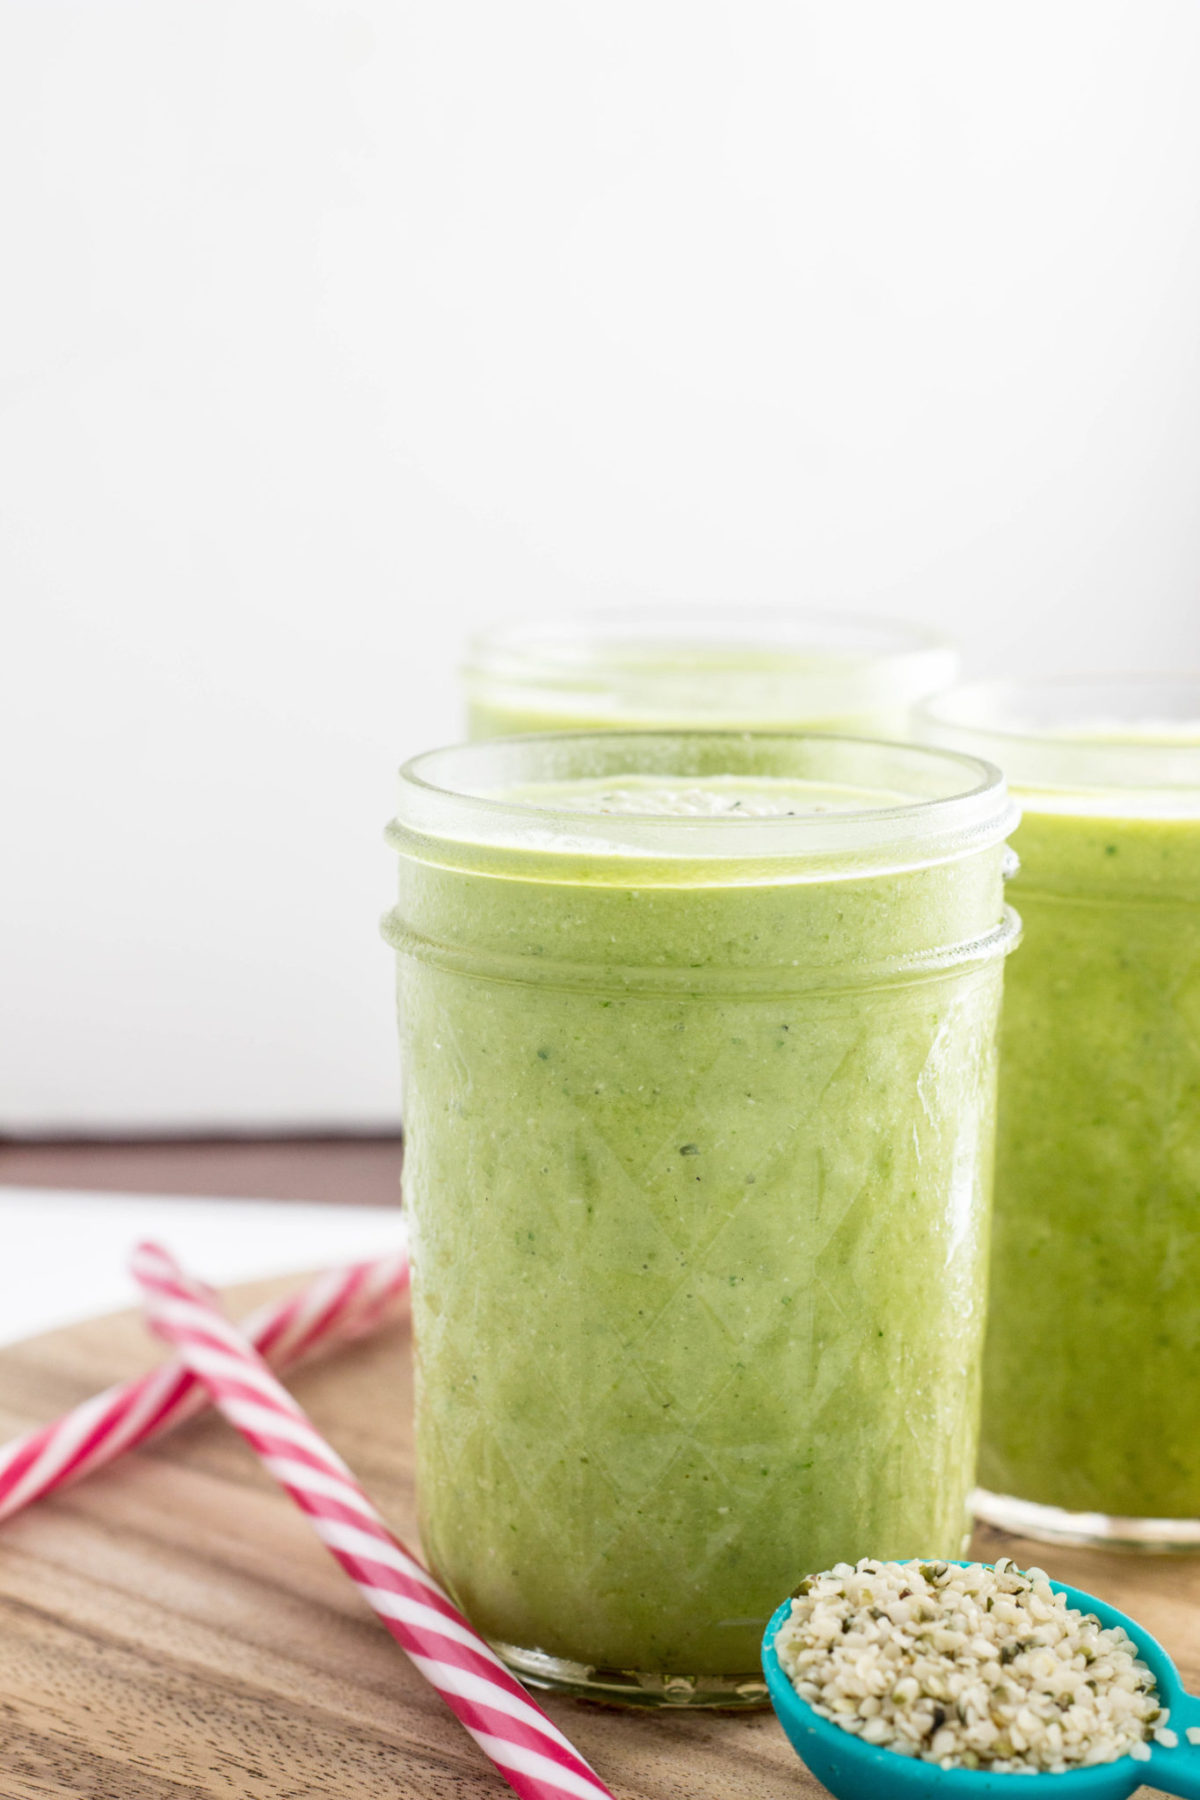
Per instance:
{"type": "Point", "coordinates": [74, 1249]}
{"type": "Point", "coordinates": [328, 331]}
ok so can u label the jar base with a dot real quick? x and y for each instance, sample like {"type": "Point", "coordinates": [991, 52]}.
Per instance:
{"type": "Point", "coordinates": [632, 1687]}
{"type": "Point", "coordinates": [1102, 1531]}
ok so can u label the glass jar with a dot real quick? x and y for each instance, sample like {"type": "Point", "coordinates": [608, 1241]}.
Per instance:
{"type": "Point", "coordinates": [1092, 1388]}
{"type": "Point", "coordinates": [704, 668]}
{"type": "Point", "coordinates": [698, 1042]}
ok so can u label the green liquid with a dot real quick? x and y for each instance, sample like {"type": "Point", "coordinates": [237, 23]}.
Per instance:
{"type": "Point", "coordinates": [729, 690]}
{"type": "Point", "coordinates": [496, 720]}
{"type": "Point", "coordinates": [1092, 1393]}
{"type": "Point", "coordinates": [698, 1247]}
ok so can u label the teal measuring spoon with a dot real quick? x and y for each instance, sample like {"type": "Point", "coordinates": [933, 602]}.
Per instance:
{"type": "Point", "coordinates": [852, 1770]}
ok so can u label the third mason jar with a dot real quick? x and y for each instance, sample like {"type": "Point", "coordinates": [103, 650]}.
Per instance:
{"type": "Point", "coordinates": [704, 668]}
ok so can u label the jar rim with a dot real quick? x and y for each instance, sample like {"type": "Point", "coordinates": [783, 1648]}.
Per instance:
{"type": "Point", "coordinates": [655, 662]}
{"type": "Point", "coordinates": [1133, 739]}
{"type": "Point", "coordinates": [954, 803]}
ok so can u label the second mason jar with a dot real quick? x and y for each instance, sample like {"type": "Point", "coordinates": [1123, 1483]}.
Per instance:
{"type": "Point", "coordinates": [1092, 1392]}
{"type": "Point", "coordinates": [697, 1036]}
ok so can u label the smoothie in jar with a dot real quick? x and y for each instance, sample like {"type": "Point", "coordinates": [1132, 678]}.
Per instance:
{"type": "Point", "coordinates": [698, 1040]}
{"type": "Point", "coordinates": [1092, 1384]}
{"type": "Point", "coordinates": [704, 669]}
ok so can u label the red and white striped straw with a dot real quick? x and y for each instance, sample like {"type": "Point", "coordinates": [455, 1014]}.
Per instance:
{"type": "Point", "coordinates": [525, 1746]}
{"type": "Point", "coordinates": [334, 1308]}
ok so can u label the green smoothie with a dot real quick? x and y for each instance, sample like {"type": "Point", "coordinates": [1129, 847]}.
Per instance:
{"type": "Point", "coordinates": [1091, 1424]}
{"type": "Point", "coordinates": [678, 693]}
{"type": "Point", "coordinates": [701, 669]}
{"type": "Point", "coordinates": [1092, 1383]}
{"type": "Point", "coordinates": [698, 1101]}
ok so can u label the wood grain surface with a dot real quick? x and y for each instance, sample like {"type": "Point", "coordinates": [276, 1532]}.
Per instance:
{"type": "Point", "coordinates": [171, 1629]}
{"type": "Point", "coordinates": [346, 1171]}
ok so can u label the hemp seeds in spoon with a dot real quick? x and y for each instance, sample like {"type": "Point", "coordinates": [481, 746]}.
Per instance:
{"type": "Point", "coordinates": [973, 1668]}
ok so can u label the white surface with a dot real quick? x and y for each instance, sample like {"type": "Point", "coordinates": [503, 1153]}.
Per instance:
{"type": "Point", "coordinates": [330, 329]}
{"type": "Point", "coordinates": [64, 1254]}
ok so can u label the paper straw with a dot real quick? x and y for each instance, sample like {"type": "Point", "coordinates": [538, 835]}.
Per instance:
{"type": "Point", "coordinates": [525, 1746]}
{"type": "Point", "coordinates": [334, 1308]}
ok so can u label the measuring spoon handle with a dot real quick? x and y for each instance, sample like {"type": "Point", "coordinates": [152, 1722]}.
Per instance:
{"type": "Point", "coordinates": [1177, 1770]}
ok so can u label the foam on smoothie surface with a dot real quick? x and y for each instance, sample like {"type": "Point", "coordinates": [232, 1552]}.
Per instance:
{"type": "Point", "coordinates": [706, 797]}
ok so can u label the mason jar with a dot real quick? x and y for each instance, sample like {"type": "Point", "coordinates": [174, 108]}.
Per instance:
{"type": "Point", "coordinates": [703, 668]}
{"type": "Point", "coordinates": [1092, 1392]}
{"type": "Point", "coordinates": [698, 1043]}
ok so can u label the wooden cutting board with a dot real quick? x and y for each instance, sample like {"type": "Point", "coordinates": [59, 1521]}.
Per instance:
{"type": "Point", "coordinates": [171, 1630]}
